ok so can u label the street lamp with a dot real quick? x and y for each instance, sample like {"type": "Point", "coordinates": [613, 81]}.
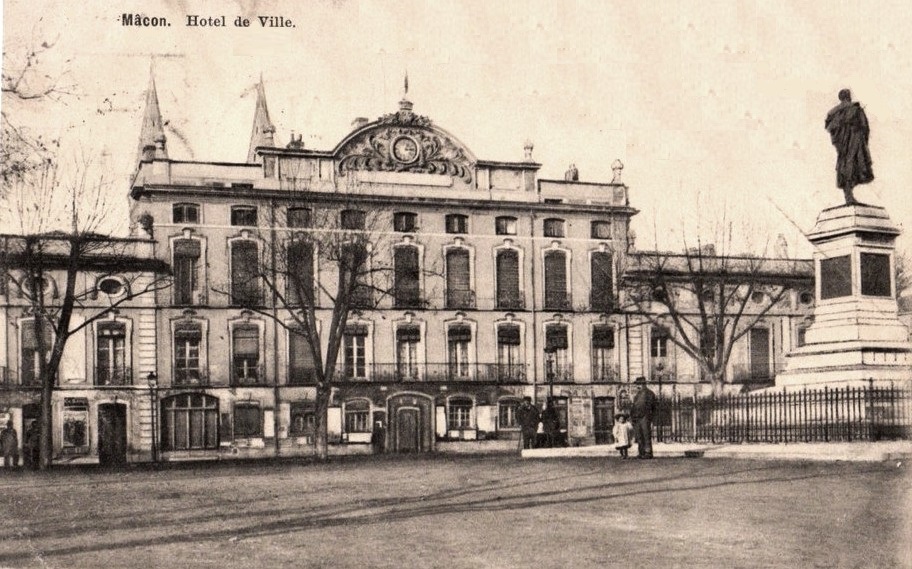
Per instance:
{"type": "Point", "coordinates": [549, 365]}
{"type": "Point", "coordinates": [153, 386]}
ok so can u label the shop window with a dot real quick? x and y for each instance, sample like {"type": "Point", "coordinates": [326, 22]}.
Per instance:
{"type": "Point", "coordinates": [189, 421]}
{"type": "Point", "coordinates": [357, 416]}
{"type": "Point", "coordinates": [506, 414]}
{"type": "Point", "coordinates": [75, 425]}
{"type": "Point", "coordinates": [459, 413]}
{"type": "Point", "coordinates": [303, 420]}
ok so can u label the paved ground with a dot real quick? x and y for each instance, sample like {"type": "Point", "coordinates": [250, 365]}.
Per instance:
{"type": "Point", "coordinates": [476, 512]}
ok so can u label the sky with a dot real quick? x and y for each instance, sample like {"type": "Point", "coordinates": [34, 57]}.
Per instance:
{"type": "Point", "coordinates": [715, 108]}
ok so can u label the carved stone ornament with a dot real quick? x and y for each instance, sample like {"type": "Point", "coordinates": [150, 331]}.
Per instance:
{"type": "Point", "coordinates": [398, 148]}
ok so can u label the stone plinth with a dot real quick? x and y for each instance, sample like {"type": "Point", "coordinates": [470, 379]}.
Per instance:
{"type": "Point", "coordinates": [856, 334]}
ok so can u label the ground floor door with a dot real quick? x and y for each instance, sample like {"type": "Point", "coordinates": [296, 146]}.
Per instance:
{"type": "Point", "coordinates": [408, 438]}
{"type": "Point", "coordinates": [112, 434]}
{"type": "Point", "coordinates": [603, 420]}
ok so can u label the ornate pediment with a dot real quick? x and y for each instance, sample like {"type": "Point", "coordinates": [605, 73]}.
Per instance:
{"type": "Point", "coordinates": [405, 142]}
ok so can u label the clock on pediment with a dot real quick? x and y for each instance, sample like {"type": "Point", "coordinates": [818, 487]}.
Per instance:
{"type": "Point", "coordinates": [404, 149]}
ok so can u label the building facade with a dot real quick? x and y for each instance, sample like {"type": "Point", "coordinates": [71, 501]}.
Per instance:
{"type": "Point", "coordinates": [499, 285]}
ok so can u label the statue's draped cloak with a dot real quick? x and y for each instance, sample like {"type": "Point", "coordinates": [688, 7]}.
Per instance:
{"type": "Point", "coordinates": [848, 128]}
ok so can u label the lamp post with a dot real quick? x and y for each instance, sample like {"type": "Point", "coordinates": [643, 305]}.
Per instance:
{"type": "Point", "coordinates": [549, 365]}
{"type": "Point", "coordinates": [153, 387]}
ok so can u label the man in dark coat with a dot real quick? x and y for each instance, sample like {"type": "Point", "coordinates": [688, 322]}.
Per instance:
{"type": "Point", "coordinates": [551, 423]}
{"type": "Point", "coordinates": [9, 442]}
{"type": "Point", "coordinates": [848, 128]}
{"type": "Point", "coordinates": [642, 411]}
{"type": "Point", "coordinates": [527, 416]}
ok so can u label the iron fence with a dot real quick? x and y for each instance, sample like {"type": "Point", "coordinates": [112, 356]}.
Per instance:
{"type": "Point", "coordinates": [869, 413]}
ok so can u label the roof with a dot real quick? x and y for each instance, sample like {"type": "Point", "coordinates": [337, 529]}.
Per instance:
{"type": "Point", "coordinates": [644, 263]}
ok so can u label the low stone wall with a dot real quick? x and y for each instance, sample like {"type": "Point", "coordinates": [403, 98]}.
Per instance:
{"type": "Point", "coordinates": [477, 447]}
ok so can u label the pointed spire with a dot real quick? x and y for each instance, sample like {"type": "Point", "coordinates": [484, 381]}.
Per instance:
{"type": "Point", "coordinates": [405, 105]}
{"type": "Point", "coordinates": [152, 134]}
{"type": "Point", "coordinates": [263, 129]}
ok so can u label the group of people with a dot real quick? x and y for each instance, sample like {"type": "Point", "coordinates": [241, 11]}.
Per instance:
{"type": "Point", "coordinates": [543, 428]}
{"type": "Point", "coordinates": [9, 446]}
{"type": "Point", "coordinates": [533, 423]}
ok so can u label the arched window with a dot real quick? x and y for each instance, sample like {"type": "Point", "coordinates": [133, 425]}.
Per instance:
{"type": "Point", "coordinates": [189, 421]}
{"type": "Point", "coordinates": [556, 297]}
{"type": "Point", "coordinates": [508, 296]}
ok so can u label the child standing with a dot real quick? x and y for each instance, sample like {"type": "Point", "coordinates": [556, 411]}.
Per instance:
{"type": "Point", "coordinates": [623, 431]}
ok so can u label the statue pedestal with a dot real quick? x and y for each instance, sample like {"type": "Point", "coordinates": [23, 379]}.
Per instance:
{"type": "Point", "coordinates": [856, 335]}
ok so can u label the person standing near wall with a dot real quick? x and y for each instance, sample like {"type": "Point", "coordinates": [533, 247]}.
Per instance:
{"type": "Point", "coordinates": [527, 416]}
{"type": "Point", "coordinates": [642, 411]}
{"type": "Point", "coordinates": [9, 441]}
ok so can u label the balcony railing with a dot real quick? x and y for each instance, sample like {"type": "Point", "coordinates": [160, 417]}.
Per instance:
{"type": "Point", "coordinates": [113, 375]}
{"type": "Point", "coordinates": [605, 373]}
{"type": "Point", "coordinates": [460, 299]}
{"type": "Point", "coordinates": [557, 301]}
{"type": "Point", "coordinates": [507, 301]}
{"type": "Point", "coordinates": [246, 374]}
{"type": "Point", "coordinates": [434, 372]}
{"type": "Point", "coordinates": [190, 377]}
{"type": "Point", "coordinates": [559, 373]}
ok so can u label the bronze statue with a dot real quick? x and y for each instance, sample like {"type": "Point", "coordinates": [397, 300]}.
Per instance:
{"type": "Point", "coordinates": [848, 128]}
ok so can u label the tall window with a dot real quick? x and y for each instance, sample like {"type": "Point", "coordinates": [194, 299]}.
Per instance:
{"type": "Point", "coordinates": [601, 230]}
{"type": "Point", "coordinates": [354, 342]}
{"type": "Point", "coordinates": [406, 289]}
{"type": "Point", "coordinates": [302, 369]}
{"type": "Point", "coordinates": [185, 213]}
{"type": "Point", "coordinates": [506, 414]}
{"type": "Point", "coordinates": [603, 353]}
{"type": "Point", "coordinates": [557, 366]}
{"type": "Point", "coordinates": [505, 225]}
{"type": "Point", "coordinates": [554, 228]}
{"type": "Point", "coordinates": [246, 354]}
{"type": "Point", "coordinates": [457, 223]}
{"type": "Point", "coordinates": [658, 342]}
{"type": "Point", "coordinates": [110, 352]}
{"type": "Point", "coordinates": [244, 215]}
{"type": "Point", "coordinates": [357, 416]}
{"type": "Point", "coordinates": [459, 413]}
{"type": "Point", "coordinates": [186, 268]}
{"type": "Point", "coordinates": [187, 344]}
{"type": "Point", "coordinates": [352, 219]}
{"type": "Point", "coordinates": [459, 340]}
{"type": "Point", "coordinates": [300, 274]}
{"type": "Point", "coordinates": [408, 338]}
{"type": "Point", "coordinates": [405, 221]}
{"type": "Point", "coordinates": [602, 289]}
{"type": "Point", "coordinates": [29, 370]}
{"type": "Point", "coordinates": [189, 422]}
{"type": "Point", "coordinates": [556, 297]}
{"type": "Point", "coordinates": [354, 262]}
{"type": "Point", "coordinates": [759, 339]}
{"type": "Point", "coordinates": [459, 293]}
{"type": "Point", "coordinates": [508, 296]}
{"type": "Point", "coordinates": [245, 288]}
{"type": "Point", "coordinates": [509, 361]}
{"type": "Point", "coordinates": [297, 217]}
{"type": "Point", "coordinates": [248, 421]}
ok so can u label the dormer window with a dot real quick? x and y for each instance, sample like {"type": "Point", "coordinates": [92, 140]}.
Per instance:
{"type": "Point", "coordinates": [243, 215]}
{"type": "Point", "coordinates": [185, 213]}
{"type": "Point", "coordinates": [405, 222]}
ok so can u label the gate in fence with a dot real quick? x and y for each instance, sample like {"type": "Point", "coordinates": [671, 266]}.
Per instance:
{"type": "Point", "coordinates": [867, 413]}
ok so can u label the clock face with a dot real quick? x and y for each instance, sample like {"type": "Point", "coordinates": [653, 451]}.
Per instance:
{"type": "Point", "coordinates": [405, 149]}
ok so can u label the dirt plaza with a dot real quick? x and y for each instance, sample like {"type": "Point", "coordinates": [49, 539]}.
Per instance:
{"type": "Point", "coordinates": [462, 512]}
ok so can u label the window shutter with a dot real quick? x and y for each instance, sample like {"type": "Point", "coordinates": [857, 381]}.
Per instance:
{"type": "Point", "coordinates": [457, 269]}
{"type": "Point", "coordinates": [299, 352]}
{"type": "Point", "coordinates": [300, 269]}
{"type": "Point", "coordinates": [246, 341]}
{"type": "Point", "coordinates": [187, 248]}
{"type": "Point", "coordinates": [408, 334]}
{"type": "Point", "coordinates": [244, 264]}
{"type": "Point", "coordinates": [508, 335]}
{"type": "Point", "coordinates": [555, 338]}
{"type": "Point", "coordinates": [602, 277]}
{"type": "Point", "coordinates": [507, 277]}
{"type": "Point", "coordinates": [555, 273]}
{"type": "Point", "coordinates": [603, 337]}
{"type": "Point", "coordinates": [460, 333]}
{"type": "Point", "coordinates": [356, 330]}
{"type": "Point", "coordinates": [406, 261]}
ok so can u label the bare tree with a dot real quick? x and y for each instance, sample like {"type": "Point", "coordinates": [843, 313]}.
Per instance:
{"type": "Point", "coordinates": [903, 275]}
{"type": "Point", "coordinates": [74, 252]}
{"type": "Point", "coordinates": [336, 236]}
{"type": "Point", "coordinates": [708, 300]}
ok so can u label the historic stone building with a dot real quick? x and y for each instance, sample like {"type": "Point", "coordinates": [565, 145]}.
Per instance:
{"type": "Point", "coordinates": [503, 285]}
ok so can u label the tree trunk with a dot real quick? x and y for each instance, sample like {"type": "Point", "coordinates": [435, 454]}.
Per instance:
{"type": "Point", "coordinates": [717, 382]}
{"type": "Point", "coordinates": [321, 436]}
